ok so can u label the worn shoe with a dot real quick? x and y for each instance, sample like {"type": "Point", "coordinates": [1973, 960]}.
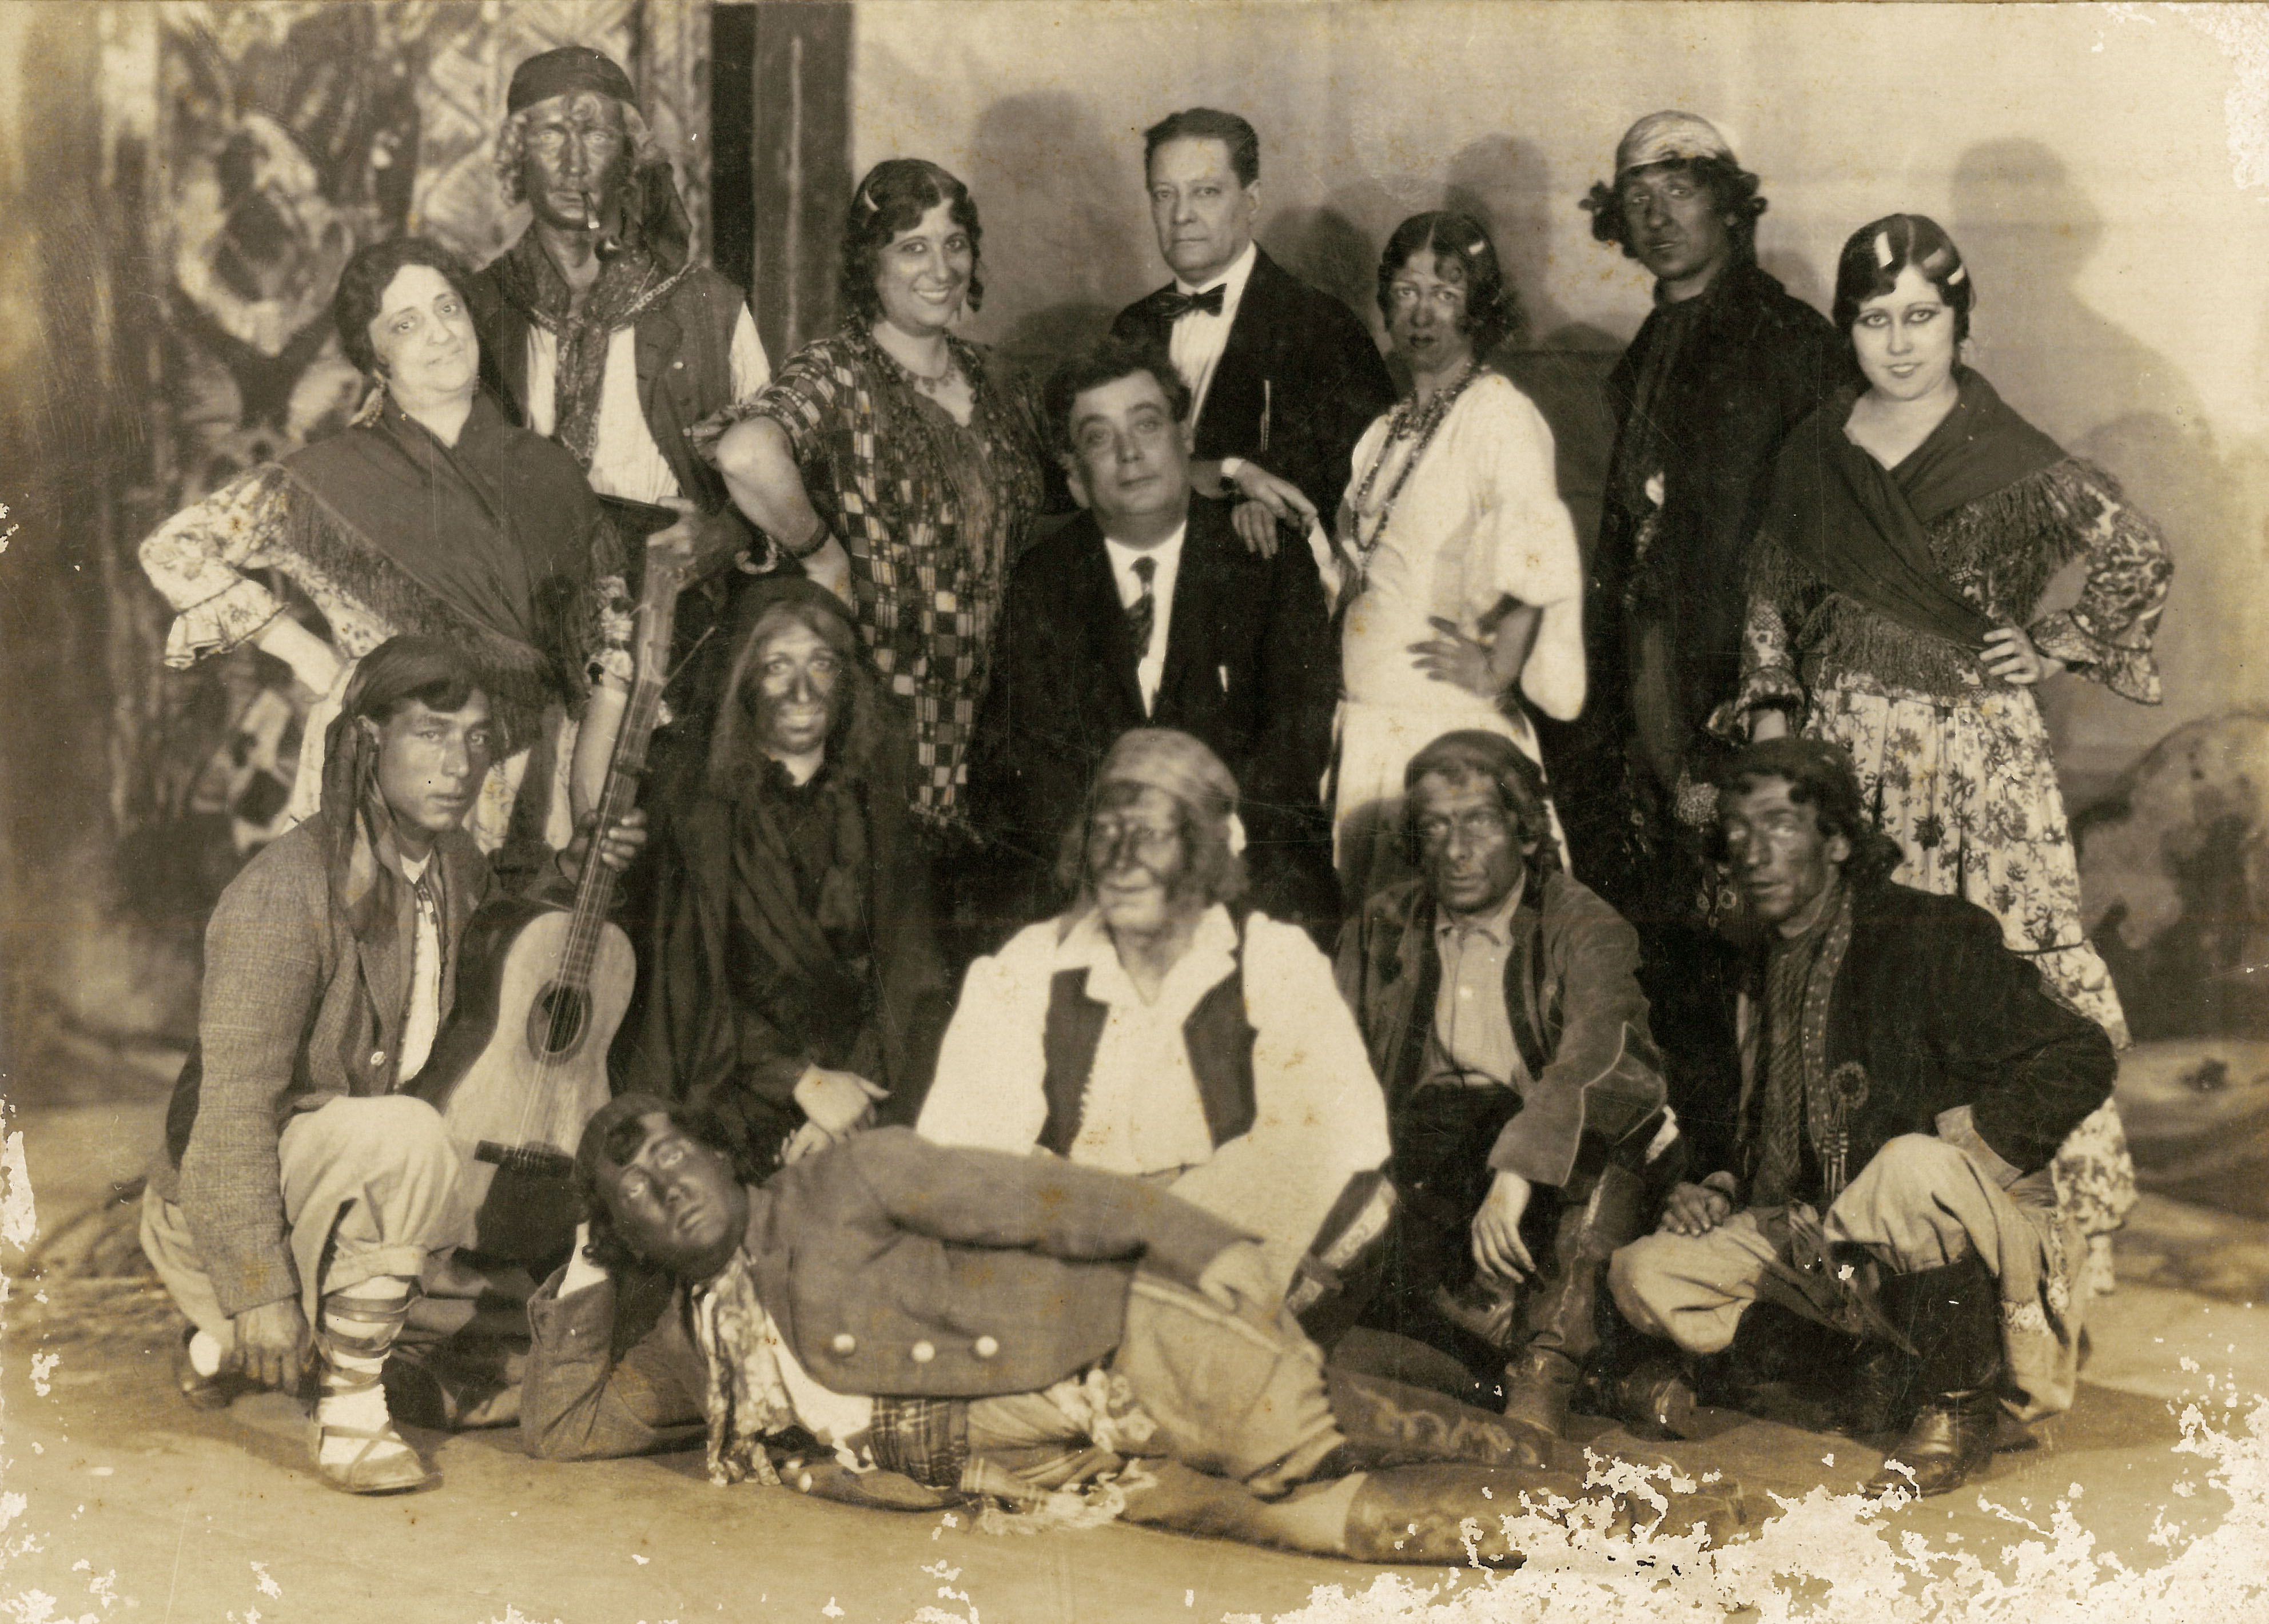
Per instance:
{"type": "Point", "coordinates": [212, 1393]}
{"type": "Point", "coordinates": [1654, 1398]}
{"type": "Point", "coordinates": [1951, 1437]}
{"type": "Point", "coordinates": [1538, 1385]}
{"type": "Point", "coordinates": [372, 1469]}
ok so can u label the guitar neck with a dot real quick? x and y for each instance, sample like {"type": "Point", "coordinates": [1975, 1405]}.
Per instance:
{"type": "Point", "coordinates": [595, 889]}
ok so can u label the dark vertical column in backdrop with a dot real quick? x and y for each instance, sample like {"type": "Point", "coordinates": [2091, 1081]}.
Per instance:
{"type": "Point", "coordinates": [799, 167]}
{"type": "Point", "coordinates": [732, 141]}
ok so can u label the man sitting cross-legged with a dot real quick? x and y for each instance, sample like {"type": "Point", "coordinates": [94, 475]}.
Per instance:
{"type": "Point", "coordinates": [971, 1323]}
{"type": "Point", "coordinates": [300, 1186]}
{"type": "Point", "coordinates": [1907, 1080]}
{"type": "Point", "coordinates": [1500, 1003]}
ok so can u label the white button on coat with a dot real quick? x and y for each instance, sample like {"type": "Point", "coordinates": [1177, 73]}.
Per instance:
{"type": "Point", "coordinates": [845, 1344]}
{"type": "Point", "coordinates": [986, 1347]}
{"type": "Point", "coordinates": [924, 1352]}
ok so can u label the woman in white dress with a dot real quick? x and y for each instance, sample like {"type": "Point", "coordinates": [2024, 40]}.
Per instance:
{"type": "Point", "coordinates": [1459, 561]}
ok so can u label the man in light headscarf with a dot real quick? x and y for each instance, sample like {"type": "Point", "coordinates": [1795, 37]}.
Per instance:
{"type": "Point", "coordinates": [1725, 365]}
{"type": "Point", "coordinates": [1162, 1028]}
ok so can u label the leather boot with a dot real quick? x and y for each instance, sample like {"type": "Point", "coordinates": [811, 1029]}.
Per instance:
{"type": "Point", "coordinates": [1952, 1315]}
{"type": "Point", "coordinates": [1386, 1423]}
{"type": "Point", "coordinates": [1420, 1514]}
{"type": "Point", "coordinates": [1560, 1318]}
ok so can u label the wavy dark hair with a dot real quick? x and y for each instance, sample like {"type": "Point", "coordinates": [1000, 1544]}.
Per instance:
{"type": "Point", "coordinates": [1207, 125]}
{"type": "Point", "coordinates": [1732, 194]}
{"type": "Point", "coordinates": [1821, 775]}
{"type": "Point", "coordinates": [893, 198]}
{"type": "Point", "coordinates": [1492, 310]}
{"type": "Point", "coordinates": [857, 736]}
{"type": "Point", "coordinates": [363, 284]}
{"type": "Point", "coordinates": [1108, 362]}
{"type": "Point", "coordinates": [1873, 256]}
{"type": "Point", "coordinates": [1459, 759]}
{"type": "Point", "coordinates": [616, 1133]}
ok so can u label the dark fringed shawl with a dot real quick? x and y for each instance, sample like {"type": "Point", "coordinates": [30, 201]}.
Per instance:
{"type": "Point", "coordinates": [1998, 551]}
{"type": "Point", "coordinates": [493, 544]}
{"type": "Point", "coordinates": [1862, 529]}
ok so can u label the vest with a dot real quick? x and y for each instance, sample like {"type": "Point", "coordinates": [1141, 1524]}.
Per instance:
{"type": "Point", "coordinates": [1218, 1037]}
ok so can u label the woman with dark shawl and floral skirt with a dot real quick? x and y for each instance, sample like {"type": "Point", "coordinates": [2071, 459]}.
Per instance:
{"type": "Point", "coordinates": [1913, 528]}
{"type": "Point", "coordinates": [896, 460]}
{"type": "Point", "coordinates": [430, 513]}
{"type": "Point", "coordinates": [793, 987]}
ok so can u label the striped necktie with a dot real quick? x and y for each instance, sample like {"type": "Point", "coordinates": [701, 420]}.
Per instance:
{"type": "Point", "coordinates": [1142, 614]}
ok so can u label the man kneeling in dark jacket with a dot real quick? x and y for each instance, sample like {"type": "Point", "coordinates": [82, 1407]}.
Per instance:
{"type": "Point", "coordinates": [974, 1322]}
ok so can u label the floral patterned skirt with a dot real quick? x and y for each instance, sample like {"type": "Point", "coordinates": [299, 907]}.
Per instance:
{"type": "Point", "coordinates": [1968, 789]}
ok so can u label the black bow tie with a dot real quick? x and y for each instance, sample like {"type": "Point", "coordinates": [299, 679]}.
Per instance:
{"type": "Point", "coordinates": [1177, 304]}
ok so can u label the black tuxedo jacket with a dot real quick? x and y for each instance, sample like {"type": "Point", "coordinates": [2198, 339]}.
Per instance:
{"type": "Point", "coordinates": [1297, 383]}
{"type": "Point", "coordinates": [1250, 668]}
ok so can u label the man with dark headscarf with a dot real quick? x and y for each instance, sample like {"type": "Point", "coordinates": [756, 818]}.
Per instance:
{"type": "Point", "coordinates": [302, 1184]}
{"type": "Point", "coordinates": [1500, 1001]}
{"type": "Point", "coordinates": [794, 985]}
{"type": "Point", "coordinates": [597, 326]}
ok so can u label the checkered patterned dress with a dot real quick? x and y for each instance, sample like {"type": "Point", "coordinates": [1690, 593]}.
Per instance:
{"type": "Point", "coordinates": [931, 513]}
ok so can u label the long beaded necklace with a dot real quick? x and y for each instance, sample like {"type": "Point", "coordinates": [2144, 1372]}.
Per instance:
{"type": "Point", "coordinates": [1404, 424]}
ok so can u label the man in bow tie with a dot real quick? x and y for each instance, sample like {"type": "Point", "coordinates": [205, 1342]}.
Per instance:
{"type": "Point", "coordinates": [1284, 378]}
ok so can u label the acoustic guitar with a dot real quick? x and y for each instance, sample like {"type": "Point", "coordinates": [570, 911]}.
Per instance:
{"type": "Point", "coordinates": [541, 991]}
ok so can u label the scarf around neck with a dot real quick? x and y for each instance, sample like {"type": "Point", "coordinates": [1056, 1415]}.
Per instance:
{"type": "Point", "coordinates": [628, 284]}
{"type": "Point", "coordinates": [1863, 529]}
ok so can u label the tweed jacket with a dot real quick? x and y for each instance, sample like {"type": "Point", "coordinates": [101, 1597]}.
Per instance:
{"type": "Point", "coordinates": [1250, 668]}
{"type": "Point", "coordinates": [1298, 381]}
{"type": "Point", "coordinates": [1570, 984]}
{"type": "Point", "coordinates": [295, 1012]}
{"type": "Point", "coordinates": [892, 1267]}
{"type": "Point", "coordinates": [1956, 1037]}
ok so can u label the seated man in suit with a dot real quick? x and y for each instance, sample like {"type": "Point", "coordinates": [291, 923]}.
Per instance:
{"type": "Point", "coordinates": [1147, 612]}
{"type": "Point", "coordinates": [1500, 1001]}
{"type": "Point", "coordinates": [301, 1185]}
{"type": "Point", "coordinates": [905, 1325]}
{"type": "Point", "coordinates": [1284, 379]}
{"type": "Point", "coordinates": [1907, 1076]}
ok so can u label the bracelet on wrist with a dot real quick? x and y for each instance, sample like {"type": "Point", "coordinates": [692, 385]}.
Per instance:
{"type": "Point", "coordinates": [819, 539]}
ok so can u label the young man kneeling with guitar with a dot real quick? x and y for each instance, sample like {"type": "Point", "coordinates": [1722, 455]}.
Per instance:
{"type": "Point", "coordinates": [303, 1186]}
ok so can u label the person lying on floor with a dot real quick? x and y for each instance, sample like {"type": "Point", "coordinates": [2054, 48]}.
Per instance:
{"type": "Point", "coordinates": [1907, 1080]}
{"type": "Point", "coordinates": [950, 1323]}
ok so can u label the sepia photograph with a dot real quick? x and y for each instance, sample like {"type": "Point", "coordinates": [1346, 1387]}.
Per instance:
{"type": "Point", "coordinates": [1082, 811]}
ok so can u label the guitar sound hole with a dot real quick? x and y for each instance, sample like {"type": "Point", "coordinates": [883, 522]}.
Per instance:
{"type": "Point", "coordinates": [557, 1020]}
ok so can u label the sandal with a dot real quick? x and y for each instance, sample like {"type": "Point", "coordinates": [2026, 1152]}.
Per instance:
{"type": "Point", "coordinates": [209, 1393]}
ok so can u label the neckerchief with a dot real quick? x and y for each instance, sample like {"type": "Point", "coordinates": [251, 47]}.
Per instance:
{"type": "Point", "coordinates": [1863, 529]}
{"type": "Point", "coordinates": [628, 284]}
{"type": "Point", "coordinates": [1800, 978]}
{"type": "Point", "coordinates": [746, 1400]}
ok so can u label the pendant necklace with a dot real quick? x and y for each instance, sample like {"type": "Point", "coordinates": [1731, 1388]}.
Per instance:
{"type": "Point", "coordinates": [1406, 424]}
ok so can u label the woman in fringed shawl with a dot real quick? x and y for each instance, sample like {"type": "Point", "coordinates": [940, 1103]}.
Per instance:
{"type": "Point", "coordinates": [901, 462]}
{"type": "Point", "coordinates": [793, 987]}
{"type": "Point", "coordinates": [428, 514]}
{"type": "Point", "coordinates": [1895, 604]}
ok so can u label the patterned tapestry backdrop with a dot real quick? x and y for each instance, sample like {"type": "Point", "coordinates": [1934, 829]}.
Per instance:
{"type": "Point", "coordinates": [253, 148]}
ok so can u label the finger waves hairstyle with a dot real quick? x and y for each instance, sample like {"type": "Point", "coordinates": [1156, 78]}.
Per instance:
{"type": "Point", "coordinates": [1875, 255]}
{"type": "Point", "coordinates": [1492, 311]}
{"type": "Point", "coordinates": [1734, 195]}
{"type": "Point", "coordinates": [893, 198]}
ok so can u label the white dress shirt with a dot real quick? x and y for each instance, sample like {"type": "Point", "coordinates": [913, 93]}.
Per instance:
{"type": "Point", "coordinates": [1197, 340]}
{"type": "Point", "coordinates": [423, 1018]}
{"type": "Point", "coordinates": [625, 460]}
{"type": "Point", "coordinates": [1167, 555]}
